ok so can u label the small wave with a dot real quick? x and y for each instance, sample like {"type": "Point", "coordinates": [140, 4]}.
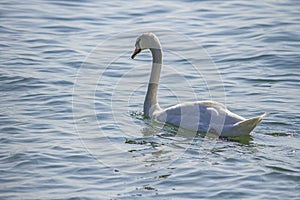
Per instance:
{"type": "Point", "coordinates": [280, 134]}
{"type": "Point", "coordinates": [257, 57]}
{"type": "Point", "coordinates": [63, 29]}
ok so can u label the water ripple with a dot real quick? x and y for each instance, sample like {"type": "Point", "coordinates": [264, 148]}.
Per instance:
{"type": "Point", "coordinates": [46, 150]}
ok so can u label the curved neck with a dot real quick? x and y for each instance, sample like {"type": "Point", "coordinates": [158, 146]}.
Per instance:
{"type": "Point", "coordinates": [150, 104]}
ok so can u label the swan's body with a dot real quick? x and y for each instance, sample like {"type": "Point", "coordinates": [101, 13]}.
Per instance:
{"type": "Point", "coordinates": [200, 116]}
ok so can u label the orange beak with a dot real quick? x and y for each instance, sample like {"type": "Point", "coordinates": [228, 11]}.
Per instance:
{"type": "Point", "coordinates": [136, 52]}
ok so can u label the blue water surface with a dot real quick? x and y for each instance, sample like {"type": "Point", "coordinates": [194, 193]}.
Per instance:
{"type": "Point", "coordinates": [71, 123]}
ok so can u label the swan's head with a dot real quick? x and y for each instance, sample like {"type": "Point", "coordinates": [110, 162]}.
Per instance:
{"type": "Point", "coordinates": [146, 41]}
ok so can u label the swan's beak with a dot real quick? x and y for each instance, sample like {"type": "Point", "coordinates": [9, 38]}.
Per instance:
{"type": "Point", "coordinates": [136, 51]}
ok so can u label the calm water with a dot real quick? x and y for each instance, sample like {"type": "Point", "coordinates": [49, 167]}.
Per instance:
{"type": "Point", "coordinates": [71, 99]}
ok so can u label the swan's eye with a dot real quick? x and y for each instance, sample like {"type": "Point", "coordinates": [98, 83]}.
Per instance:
{"type": "Point", "coordinates": [137, 41]}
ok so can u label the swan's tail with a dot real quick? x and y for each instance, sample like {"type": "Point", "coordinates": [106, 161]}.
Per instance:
{"type": "Point", "coordinates": [245, 127]}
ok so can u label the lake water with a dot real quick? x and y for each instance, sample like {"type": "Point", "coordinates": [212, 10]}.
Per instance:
{"type": "Point", "coordinates": [71, 101]}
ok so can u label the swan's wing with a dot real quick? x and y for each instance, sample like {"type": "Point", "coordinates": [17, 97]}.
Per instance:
{"type": "Point", "coordinates": [198, 116]}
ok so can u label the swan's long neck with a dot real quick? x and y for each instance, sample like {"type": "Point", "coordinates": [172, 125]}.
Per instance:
{"type": "Point", "coordinates": [151, 104]}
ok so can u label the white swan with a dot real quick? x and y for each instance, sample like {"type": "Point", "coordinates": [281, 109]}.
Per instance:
{"type": "Point", "coordinates": [200, 116]}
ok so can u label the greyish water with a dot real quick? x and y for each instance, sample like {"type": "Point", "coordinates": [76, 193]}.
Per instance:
{"type": "Point", "coordinates": [71, 101]}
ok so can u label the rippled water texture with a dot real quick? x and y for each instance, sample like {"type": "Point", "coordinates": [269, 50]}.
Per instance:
{"type": "Point", "coordinates": [71, 122]}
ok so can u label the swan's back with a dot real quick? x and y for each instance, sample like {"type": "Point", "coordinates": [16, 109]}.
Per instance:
{"type": "Point", "coordinates": [200, 116]}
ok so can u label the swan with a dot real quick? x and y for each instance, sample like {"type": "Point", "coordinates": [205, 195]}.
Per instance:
{"type": "Point", "coordinates": [201, 116]}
